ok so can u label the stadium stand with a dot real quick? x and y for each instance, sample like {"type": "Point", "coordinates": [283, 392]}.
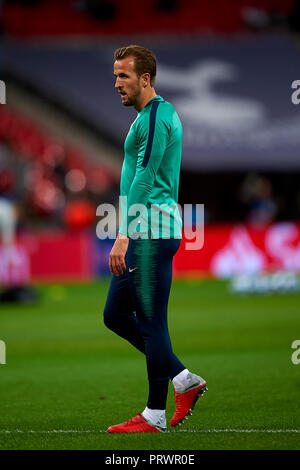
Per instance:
{"type": "Point", "coordinates": [56, 173]}
{"type": "Point", "coordinates": [110, 18]}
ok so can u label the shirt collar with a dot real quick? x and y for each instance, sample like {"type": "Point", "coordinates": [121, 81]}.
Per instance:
{"type": "Point", "coordinates": [156, 98]}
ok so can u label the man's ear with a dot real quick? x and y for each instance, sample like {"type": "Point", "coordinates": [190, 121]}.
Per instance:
{"type": "Point", "coordinates": [145, 79]}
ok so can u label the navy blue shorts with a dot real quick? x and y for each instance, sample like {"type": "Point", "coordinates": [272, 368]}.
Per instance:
{"type": "Point", "coordinates": [136, 309]}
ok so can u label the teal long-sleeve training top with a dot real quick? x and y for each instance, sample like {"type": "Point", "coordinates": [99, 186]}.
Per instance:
{"type": "Point", "coordinates": [150, 172]}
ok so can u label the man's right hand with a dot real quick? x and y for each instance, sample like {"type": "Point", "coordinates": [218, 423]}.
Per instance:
{"type": "Point", "coordinates": [117, 255]}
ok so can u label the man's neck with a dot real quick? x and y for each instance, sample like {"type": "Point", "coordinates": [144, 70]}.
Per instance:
{"type": "Point", "coordinates": [145, 99]}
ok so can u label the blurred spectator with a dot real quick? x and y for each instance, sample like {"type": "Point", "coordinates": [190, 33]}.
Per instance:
{"type": "Point", "coordinates": [8, 221]}
{"type": "Point", "coordinates": [256, 193]}
{"type": "Point", "coordinates": [14, 259]}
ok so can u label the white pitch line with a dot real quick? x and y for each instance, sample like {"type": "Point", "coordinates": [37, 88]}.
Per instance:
{"type": "Point", "coordinates": [96, 431]}
{"type": "Point", "coordinates": [240, 430]}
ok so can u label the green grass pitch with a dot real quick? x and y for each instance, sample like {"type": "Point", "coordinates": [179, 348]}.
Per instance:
{"type": "Point", "coordinates": [67, 378]}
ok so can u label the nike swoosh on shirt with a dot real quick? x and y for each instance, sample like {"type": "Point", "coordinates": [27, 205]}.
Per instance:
{"type": "Point", "coordinates": [132, 269]}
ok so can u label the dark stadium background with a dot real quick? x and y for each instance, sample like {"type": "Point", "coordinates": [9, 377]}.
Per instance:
{"type": "Point", "coordinates": [228, 68]}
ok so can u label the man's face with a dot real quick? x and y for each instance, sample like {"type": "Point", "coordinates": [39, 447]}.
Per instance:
{"type": "Point", "coordinates": [127, 82]}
